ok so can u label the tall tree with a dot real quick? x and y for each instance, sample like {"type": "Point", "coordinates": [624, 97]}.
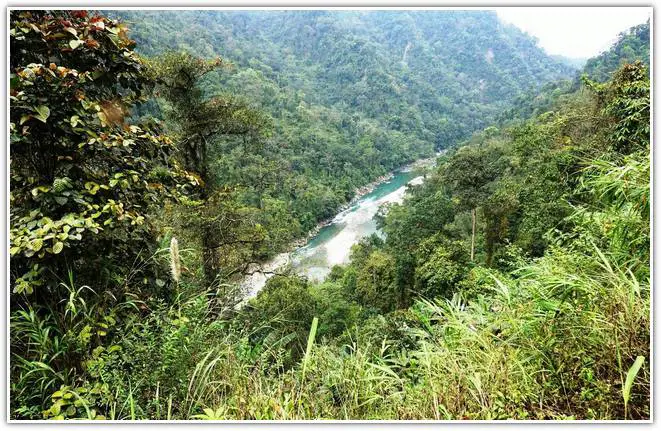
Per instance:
{"type": "Point", "coordinates": [469, 174]}
{"type": "Point", "coordinates": [83, 177]}
{"type": "Point", "coordinates": [84, 181]}
{"type": "Point", "coordinates": [198, 121]}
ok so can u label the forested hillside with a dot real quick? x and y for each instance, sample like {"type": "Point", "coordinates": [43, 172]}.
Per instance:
{"type": "Point", "coordinates": [436, 75]}
{"type": "Point", "coordinates": [351, 95]}
{"type": "Point", "coordinates": [631, 45]}
{"type": "Point", "coordinates": [145, 181]}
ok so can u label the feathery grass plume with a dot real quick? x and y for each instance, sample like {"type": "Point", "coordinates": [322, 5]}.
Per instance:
{"type": "Point", "coordinates": [175, 260]}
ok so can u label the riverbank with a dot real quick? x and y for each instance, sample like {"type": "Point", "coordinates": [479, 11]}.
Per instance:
{"type": "Point", "coordinates": [359, 193]}
{"type": "Point", "coordinates": [359, 223]}
{"type": "Point", "coordinates": [329, 243]}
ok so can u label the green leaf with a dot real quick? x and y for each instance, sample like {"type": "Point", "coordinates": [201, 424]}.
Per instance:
{"type": "Point", "coordinates": [631, 376]}
{"type": "Point", "coordinates": [92, 187]}
{"type": "Point", "coordinates": [75, 43]}
{"type": "Point", "coordinates": [308, 350]}
{"type": "Point", "coordinates": [37, 244]}
{"type": "Point", "coordinates": [57, 248]}
{"type": "Point", "coordinates": [43, 366]}
{"type": "Point", "coordinates": [35, 191]}
{"type": "Point", "coordinates": [43, 113]}
{"type": "Point", "coordinates": [71, 30]}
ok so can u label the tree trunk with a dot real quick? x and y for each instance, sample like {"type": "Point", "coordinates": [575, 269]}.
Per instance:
{"type": "Point", "coordinates": [474, 216]}
{"type": "Point", "coordinates": [209, 261]}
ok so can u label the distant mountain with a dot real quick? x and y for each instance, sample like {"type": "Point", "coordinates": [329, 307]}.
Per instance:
{"type": "Point", "coordinates": [631, 45]}
{"type": "Point", "coordinates": [575, 62]}
{"type": "Point", "coordinates": [439, 75]}
{"type": "Point", "coordinates": [352, 95]}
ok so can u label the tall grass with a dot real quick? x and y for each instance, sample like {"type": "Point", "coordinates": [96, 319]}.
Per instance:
{"type": "Point", "coordinates": [543, 345]}
{"type": "Point", "coordinates": [565, 336]}
{"type": "Point", "coordinates": [552, 342]}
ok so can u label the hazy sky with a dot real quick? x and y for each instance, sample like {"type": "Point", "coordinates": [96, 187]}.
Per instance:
{"type": "Point", "coordinates": [574, 31]}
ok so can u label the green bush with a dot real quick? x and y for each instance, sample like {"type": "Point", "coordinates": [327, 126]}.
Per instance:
{"type": "Point", "coordinates": [376, 286]}
{"type": "Point", "coordinates": [279, 319]}
{"type": "Point", "coordinates": [334, 309]}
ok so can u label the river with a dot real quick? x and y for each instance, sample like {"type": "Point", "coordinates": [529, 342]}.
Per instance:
{"type": "Point", "coordinates": [332, 244]}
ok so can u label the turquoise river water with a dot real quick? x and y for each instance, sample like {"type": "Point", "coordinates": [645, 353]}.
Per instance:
{"type": "Point", "coordinates": [332, 244]}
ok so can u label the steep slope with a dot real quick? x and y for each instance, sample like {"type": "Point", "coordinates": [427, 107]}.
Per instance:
{"type": "Point", "coordinates": [631, 45]}
{"type": "Point", "coordinates": [352, 94]}
{"type": "Point", "coordinates": [512, 284]}
{"type": "Point", "coordinates": [439, 75]}
{"type": "Point", "coordinates": [575, 62]}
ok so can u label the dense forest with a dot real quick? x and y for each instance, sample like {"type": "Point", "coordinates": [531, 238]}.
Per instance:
{"type": "Point", "coordinates": [351, 95]}
{"type": "Point", "coordinates": [155, 157]}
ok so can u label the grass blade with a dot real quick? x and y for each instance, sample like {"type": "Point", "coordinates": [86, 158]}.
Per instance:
{"type": "Point", "coordinates": [631, 375]}
{"type": "Point", "coordinates": [308, 350]}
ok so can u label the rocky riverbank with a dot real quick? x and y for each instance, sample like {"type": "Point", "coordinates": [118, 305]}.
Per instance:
{"type": "Point", "coordinates": [261, 272]}
{"type": "Point", "coordinates": [359, 193]}
{"type": "Point", "coordinates": [421, 164]}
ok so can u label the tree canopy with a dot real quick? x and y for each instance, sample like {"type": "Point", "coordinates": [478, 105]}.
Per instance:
{"type": "Point", "coordinates": [148, 180]}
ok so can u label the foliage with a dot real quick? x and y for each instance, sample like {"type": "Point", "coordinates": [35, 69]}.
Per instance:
{"type": "Point", "coordinates": [335, 309]}
{"type": "Point", "coordinates": [280, 325]}
{"type": "Point", "coordinates": [440, 267]}
{"type": "Point", "coordinates": [626, 102]}
{"type": "Point", "coordinates": [548, 320]}
{"type": "Point", "coordinates": [337, 127]}
{"type": "Point", "coordinates": [81, 177]}
{"type": "Point", "coordinates": [632, 45]}
{"type": "Point", "coordinates": [415, 83]}
{"type": "Point", "coordinates": [375, 284]}
{"type": "Point", "coordinates": [198, 121]}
